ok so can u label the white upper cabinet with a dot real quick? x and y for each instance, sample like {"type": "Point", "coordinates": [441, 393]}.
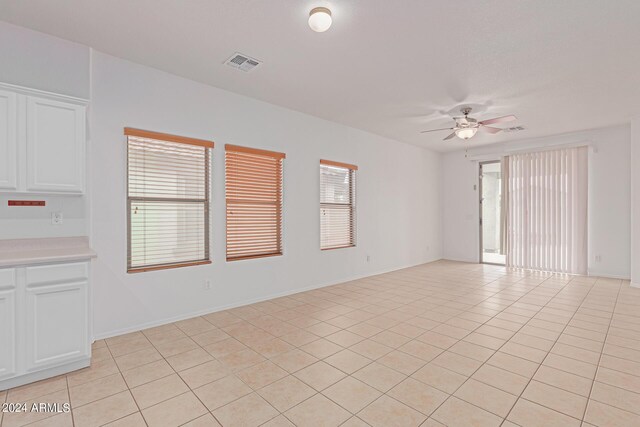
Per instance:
{"type": "Point", "coordinates": [55, 146]}
{"type": "Point", "coordinates": [8, 141]}
{"type": "Point", "coordinates": [42, 142]}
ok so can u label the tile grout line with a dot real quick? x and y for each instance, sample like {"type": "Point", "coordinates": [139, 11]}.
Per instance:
{"type": "Point", "coordinates": [502, 345]}
{"type": "Point", "coordinates": [549, 352]}
{"type": "Point", "coordinates": [515, 332]}
{"type": "Point", "coordinates": [595, 375]}
{"type": "Point", "coordinates": [190, 389]}
{"type": "Point", "coordinates": [375, 361]}
{"type": "Point", "coordinates": [234, 374]}
{"type": "Point", "coordinates": [496, 350]}
{"type": "Point", "coordinates": [542, 307]}
{"type": "Point", "coordinates": [122, 391]}
{"type": "Point", "coordinates": [411, 339]}
{"type": "Point", "coordinates": [129, 389]}
{"type": "Point", "coordinates": [394, 349]}
{"type": "Point", "coordinates": [66, 381]}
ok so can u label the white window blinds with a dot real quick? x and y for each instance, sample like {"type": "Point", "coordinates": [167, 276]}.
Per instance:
{"type": "Point", "coordinates": [168, 200]}
{"type": "Point", "coordinates": [337, 205]}
{"type": "Point", "coordinates": [547, 210]}
{"type": "Point", "coordinates": [254, 202]}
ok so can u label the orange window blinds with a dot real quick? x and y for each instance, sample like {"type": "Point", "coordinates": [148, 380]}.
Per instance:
{"type": "Point", "coordinates": [167, 200]}
{"type": "Point", "coordinates": [337, 205]}
{"type": "Point", "coordinates": [254, 202]}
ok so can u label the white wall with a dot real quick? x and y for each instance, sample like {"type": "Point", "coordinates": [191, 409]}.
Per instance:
{"type": "Point", "coordinates": [24, 222]}
{"type": "Point", "coordinates": [635, 201]}
{"type": "Point", "coordinates": [39, 61]}
{"type": "Point", "coordinates": [609, 197]}
{"type": "Point", "coordinates": [398, 197]}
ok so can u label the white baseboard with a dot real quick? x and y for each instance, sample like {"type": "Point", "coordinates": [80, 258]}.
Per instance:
{"type": "Point", "coordinates": [189, 315]}
{"type": "Point", "coordinates": [590, 273]}
{"type": "Point", "coordinates": [608, 276]}
{"type": "Point", "coordinates": [474, 261]}
{"type": "Point", "coordinates": [635, 285]}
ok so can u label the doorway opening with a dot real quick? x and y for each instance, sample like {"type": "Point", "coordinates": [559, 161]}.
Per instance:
{"type": "Point", "coordinates": [490, 213]}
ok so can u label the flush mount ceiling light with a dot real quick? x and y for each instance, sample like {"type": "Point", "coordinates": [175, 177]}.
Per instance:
{"type": "Point", "coordinates": [466, 133]}
{"type": "Point", "coordinates": [320, 19]}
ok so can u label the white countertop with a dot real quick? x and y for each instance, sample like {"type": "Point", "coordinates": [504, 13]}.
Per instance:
{"type": "Point", "coordinates": [17, 252]}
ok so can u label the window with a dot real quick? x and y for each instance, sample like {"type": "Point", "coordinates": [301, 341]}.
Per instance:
{"type": "Point", "coordinates": [254, 202]}
{"type": "Point", "coordinates": [337, 205]}
{"type": "Point", "coordinates": [167, 201]}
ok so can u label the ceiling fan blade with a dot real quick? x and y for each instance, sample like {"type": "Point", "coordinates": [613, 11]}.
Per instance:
{"type": "Point", "coordinates": [435, 130]}
{"type": "Point", "coordinates": [450, 136]}
{"type": "Point", "coordinates": [489, 129]}
{"type": "Point", "coordinates": [502, 119]}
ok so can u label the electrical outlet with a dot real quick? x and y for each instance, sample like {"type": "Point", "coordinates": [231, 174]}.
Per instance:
{"type": "Point", "coordinates": [598, 258]}
{"type": "Point", "coordinates": [56, 218]}
{"type": "Point", "coordinates": [368, 258]}
{"type": "Point", "coordinates": [206, 285]}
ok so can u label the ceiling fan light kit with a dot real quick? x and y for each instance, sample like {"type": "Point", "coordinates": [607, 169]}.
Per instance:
{"type": "Point", "coordinates": [466, 133]}
{"type": "Point", "coordinates": [466, 127]}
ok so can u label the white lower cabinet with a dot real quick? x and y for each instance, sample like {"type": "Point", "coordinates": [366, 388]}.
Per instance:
{"type": "Point", "coordinates": [7, 323]}
{"type": "Point", "coordinates": [48, 309]}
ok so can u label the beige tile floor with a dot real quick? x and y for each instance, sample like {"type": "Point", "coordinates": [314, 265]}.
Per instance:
{"type": "Point", "coordinates": [439, 344]}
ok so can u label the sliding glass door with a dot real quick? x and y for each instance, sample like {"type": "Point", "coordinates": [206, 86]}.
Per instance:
{"type": "Point", "coordinates": [490, 205]}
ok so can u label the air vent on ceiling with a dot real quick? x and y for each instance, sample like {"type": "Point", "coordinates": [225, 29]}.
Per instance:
{"type": "Point", "coordinates": [242, 62]}
{"type": "Point", "coordinates": [513, 129]}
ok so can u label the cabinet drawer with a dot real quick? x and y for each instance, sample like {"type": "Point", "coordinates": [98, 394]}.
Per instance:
{"type": "Point", "coordinates": [45, 274]}
{"type": "Point", "coordinates": [7, 278]}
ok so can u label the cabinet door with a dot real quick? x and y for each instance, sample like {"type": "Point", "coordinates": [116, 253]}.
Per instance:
{"type": "Point", "coordinates": [55, 146]}
{"type": "Point", "coordinates": [7, 323]}
{"type": "Point", "coordinates": [8, 141]}
{"type": "Point", "coordinates": [56, 315]}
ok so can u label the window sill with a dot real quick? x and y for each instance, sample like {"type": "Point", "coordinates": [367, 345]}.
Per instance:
{"type": "Point", "coordinates": [166, 267]}
{"type": "Point", "coordinates": [253, 257]}
{"type": "Point", "coordinates": [338, 247]}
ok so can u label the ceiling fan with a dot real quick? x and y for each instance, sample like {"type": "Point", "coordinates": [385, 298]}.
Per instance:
{"type": "Point", "coordinates": [466, 127]}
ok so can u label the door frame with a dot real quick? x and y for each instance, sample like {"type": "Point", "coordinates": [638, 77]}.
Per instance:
{"type": "Point", "coordinates": [480, 205]}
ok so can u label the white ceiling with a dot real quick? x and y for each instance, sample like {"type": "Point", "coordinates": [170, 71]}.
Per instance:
{"type": "Point", "coordinates": [388, 67]}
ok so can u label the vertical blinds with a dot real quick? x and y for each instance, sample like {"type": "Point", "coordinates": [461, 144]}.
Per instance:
{"type": "Point", "coordinates": [337, 204]}
{"type": "Point", "coordinates": [168, 200]}
{"type": "Point", "coordinates": [254, 202]}
{"type": "Point", "coordinates": [547, 210]}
